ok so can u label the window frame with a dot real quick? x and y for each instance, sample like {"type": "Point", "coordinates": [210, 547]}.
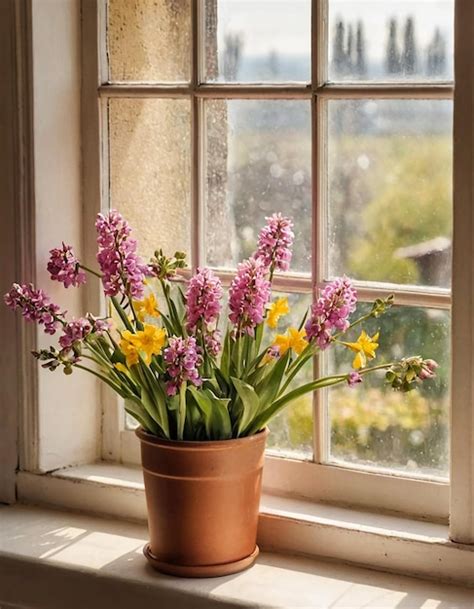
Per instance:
{"type": "Point", "coordinates": [418, 496]}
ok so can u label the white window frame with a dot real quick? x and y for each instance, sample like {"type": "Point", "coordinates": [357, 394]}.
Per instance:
{"type": "Point", "coordinates": [316, 480]}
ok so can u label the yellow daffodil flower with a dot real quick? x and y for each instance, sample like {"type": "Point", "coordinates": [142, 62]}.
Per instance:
{"type": "Point", "coordinates": [147, 342]}
{"type": "Point", "coordinates": [276, 310]}
{"type": "Point", "coordinates": [147, 306]}
{"type": "Point", "coordinates": [128, 349]}
{"type": "Point", "coordinates": [365, 348]}
{"type": "Point", "coordinates": [150, 340]}
{"type": "Point", "coordinates": [293, 339]}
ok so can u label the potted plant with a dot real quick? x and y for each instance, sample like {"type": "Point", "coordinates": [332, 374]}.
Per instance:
{"type": "Point", "coordinates": [202, 397]}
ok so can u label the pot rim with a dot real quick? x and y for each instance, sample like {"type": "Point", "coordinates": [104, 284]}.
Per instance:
{"type": "Point", "coordinates": [148, 438]}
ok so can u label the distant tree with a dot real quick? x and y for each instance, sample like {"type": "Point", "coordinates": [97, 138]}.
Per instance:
{"type": "Point", "coordinates": [392, 61]}
{"type": "Point", "coordinates": [409, 56]}
{"type": "Point", "coordinates": [233, 44]}
{"type": "Point", "coordinates": [350, 48]}
{"type": "Point", "coordinates": [436, 55]}
{"type": "Point", "coordinates": [361, 64]}
{"type": "Point", "coordinates": [339, 54]}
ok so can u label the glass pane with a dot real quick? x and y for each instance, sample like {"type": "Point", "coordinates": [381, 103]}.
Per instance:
{"type": "Point", "coordinates": [150, 188]}
{"type": "Point", "coordinates": [385, 41]}
{"type": "Point", "coordinates": [258, 161]}
{"type": "Point", "coordinates": [149, 41]}
{"type": "Point", "coordinates": [375, 426]}
{"type": "Point", "coordinates": [291, 432]}
{"type": "Point", "coordinates": [390, 197]}
{"type": "Point", "coordinates": [257, 40]}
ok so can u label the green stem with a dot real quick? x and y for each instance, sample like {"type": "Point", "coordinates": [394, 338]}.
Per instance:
{"type": "Point", "coordinates": [238, 363]}
{"type": "Point", "coordinates": [354, 323]}
{"type": "Point", "coordinates": [89, 270]}
{"type": "Point", "coordinates": [138, 323]}
{"type": "Point", "coordinates": [182, 410]}
{"type": "Point", "coordinates": [262, 419]}
{"type": "Point", "coordinates": [122, 314]}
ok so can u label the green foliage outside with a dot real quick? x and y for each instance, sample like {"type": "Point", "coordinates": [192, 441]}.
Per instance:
{"type": "Point", "coordinates": [402, 199]}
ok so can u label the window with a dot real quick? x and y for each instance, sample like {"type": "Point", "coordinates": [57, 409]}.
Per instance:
{"type": "Point", "coordinates": [213, 114]}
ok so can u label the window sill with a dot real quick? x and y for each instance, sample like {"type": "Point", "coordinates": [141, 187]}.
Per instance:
{"type": "Point", "coordinates": [92, 562]}
{"type": "Point", "coordinates": [292, 526]}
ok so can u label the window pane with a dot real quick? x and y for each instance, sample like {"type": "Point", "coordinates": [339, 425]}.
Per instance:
{"type": "Point", "coordinates": [149, 41]}
{"type": "Point", "coordinates": [390, 200]}
{"type": "Point", "coordinates": [291, 432]}
{"type": "Point", "coordinates": [150, 188]}
{"type": "Point", "coordinates": [376, 426]}
{"type": "Point", "coordinates": [257, 40]}
{"type": "Point", "coordinates": [258, 161]}
{"type": "Point", "coordinates": [385, 41]}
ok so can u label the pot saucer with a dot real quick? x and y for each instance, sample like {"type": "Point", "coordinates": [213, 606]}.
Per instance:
{"type": "Point", "coordinates": [200, 571]}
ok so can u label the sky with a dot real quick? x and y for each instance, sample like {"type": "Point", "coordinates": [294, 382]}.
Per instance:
{"type": "Point", "coordinates": [284, 25]}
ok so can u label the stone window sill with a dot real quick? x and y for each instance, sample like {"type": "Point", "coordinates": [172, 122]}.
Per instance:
{"type": "Point", "coordinates": [53, 559]}
{"type": "Point", "coordinates": [287, 525]}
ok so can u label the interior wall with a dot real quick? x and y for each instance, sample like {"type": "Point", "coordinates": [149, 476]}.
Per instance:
{"type": "Point", "coordinates": [69, 416]}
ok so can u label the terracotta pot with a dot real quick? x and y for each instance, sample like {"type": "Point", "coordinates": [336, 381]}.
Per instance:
{"type": "Point", "coordinates": [203, 502]}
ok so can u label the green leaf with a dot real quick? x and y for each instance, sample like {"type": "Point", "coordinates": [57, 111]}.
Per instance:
{"type": "Point", "coordinates": [257, 375]}
{"type": "Point", "coordinates": [250, 402]}
{"type": "Point", "coordinates": [123, 316]}
{"type": "Point", "coordinates": [300, 327]}
{"type": "Point", "coordinates": [135, 408]}
{"type": "Point", "coordinates": [168, 325]}
{"type": "Point", "coordinates": [152, 396]}
{"type": "Point", "coordinates": [215, 413]}
{"type": "Point", "coordinates": [194, 424]}
{"type": "Point", "coordinates": [222, 380]}
{"type": "Point", "coordinates": [269, 386]}
{"type": "Point", "coordinates": [117, 357]}
{"type": "Point", "coordinates": [258, 336]}
{"type": "Point", "coordinates": [175, 317]}
{"type": "Point", "coordinates": [266, 415]}
{"type": "Point", "coordinates": [226, 355]}
{"type": "Point", "coordinates": [182, 296]}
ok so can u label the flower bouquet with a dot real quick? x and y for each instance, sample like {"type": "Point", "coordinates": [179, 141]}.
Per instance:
{"type": "Point", "coordinates": [203, 396]}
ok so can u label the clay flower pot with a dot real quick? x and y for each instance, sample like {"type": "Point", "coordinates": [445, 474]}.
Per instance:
{"type": "Point", "coordinates": [203, 502]}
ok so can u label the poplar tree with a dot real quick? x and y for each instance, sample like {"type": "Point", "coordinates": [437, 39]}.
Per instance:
{"type": "Point", "coordinates": [361, 64]}
{"type": "Point", "coordinates": [436, 55]}
{"type": "Point", "coordinates": [338, 55]}
{"type": "Point", "coordinates": [409, 57]}
{"type": "Point", "coordinates": [392, 61]}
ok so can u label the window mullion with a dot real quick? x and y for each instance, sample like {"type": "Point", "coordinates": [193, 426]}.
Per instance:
{"type": "Point", "coordinates": [318, 73]}
{"type": "Point", "coordinates": [196, 127]}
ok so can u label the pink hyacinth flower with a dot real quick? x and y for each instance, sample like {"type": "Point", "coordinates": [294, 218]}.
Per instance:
{"type": "Point", "coordinates": [35, 306]}
{"type": "Point", "coordinates": [203, 299]}
{"type": "Point", "coordinates": [182, 359]}
{"type": "Point", "coordinates": [248, 295]}
{"type": "Point", "coordinates": [123, 271]}
{"type": "Point", "coordinates": [275, 241]}
{"type": "Point", "coordinates": [331, 311]}
{"type": "Point", "coordinates": [63, 266]}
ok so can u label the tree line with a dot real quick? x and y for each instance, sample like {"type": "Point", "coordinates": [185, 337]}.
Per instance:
{"type": "Point", "coordinates": [403, 55]}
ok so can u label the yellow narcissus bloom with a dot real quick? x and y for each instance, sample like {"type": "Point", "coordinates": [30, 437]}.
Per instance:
{"type": "Point", "coordinates": [365, 348]}
{"type": "Point", "coordinates": [293, 339]}
{"type": "Point", "coordinates": [148, 342]}
{"type": "Point", "coordinates": [276, 310]}
{"type": "Point", "coordinates": [128, 349]}
{"type": "Point", "coordinates": [147, 306]}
